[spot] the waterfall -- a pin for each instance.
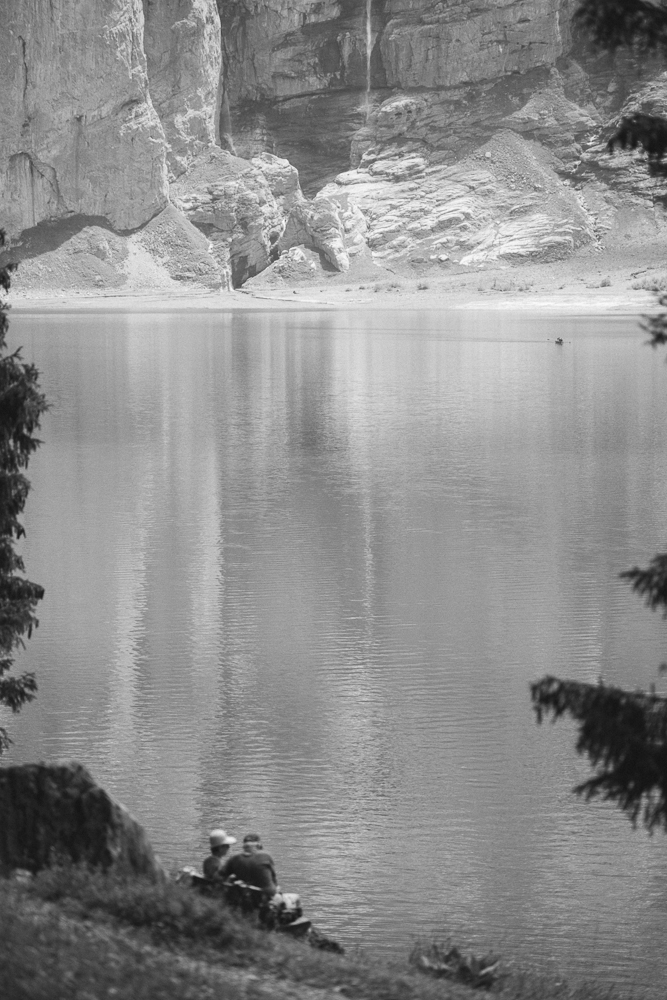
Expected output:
(369, 49)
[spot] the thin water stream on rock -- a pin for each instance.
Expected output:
(369, 51)
(300, 570)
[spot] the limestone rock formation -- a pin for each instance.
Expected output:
(626, 171)
(55, 813)
(78, 130)
(231, 201)
(422, 86)
(419, 129)
(430, 44)
(318, 226)
(183, 49)
(503, 202)
(252, 210)
(306, 46)
(297, 73)
(559, 124)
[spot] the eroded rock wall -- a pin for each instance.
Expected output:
(183, 49)
(375, 102)
(388, 105)
(78, 130)
(430, 43)
(301, 77)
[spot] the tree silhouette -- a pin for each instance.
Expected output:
(624, 734)
(640, 25)
(21, 407)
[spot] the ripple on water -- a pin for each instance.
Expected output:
(300, 572)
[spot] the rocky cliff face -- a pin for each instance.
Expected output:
(473, 130)
(100, 102)
(78, 130)
(430, 130)
(183, 54)
(303, 75)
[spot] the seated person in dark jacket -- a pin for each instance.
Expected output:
(254, 866)
(220, 843)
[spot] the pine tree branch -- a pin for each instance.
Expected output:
(21, 407)
(614, 24)
(623, 734)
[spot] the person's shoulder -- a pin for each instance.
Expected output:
(264, 857)
(211, 866)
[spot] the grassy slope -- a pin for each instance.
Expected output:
(74, 936)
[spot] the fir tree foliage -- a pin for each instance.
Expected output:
(614, 24)
(656, 325)
(21, 407)
(623, 733)
(640, 25)
(646, 131)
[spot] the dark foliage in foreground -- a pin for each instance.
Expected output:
(651, 583)
(21, 406)
(614, 24)
(624, 734)
(647, 131)
(641, 25)
(656, 325)
(625, 737)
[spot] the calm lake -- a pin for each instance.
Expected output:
(300, 570)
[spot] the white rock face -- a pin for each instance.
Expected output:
(504, 202)
(183, 49)
(301, 46)
(318, 225)
(78, 130)
(231, 201)
(253, 210)
(430, 44)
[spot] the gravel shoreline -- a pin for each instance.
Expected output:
(612, 281)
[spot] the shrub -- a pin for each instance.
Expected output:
(446, 961)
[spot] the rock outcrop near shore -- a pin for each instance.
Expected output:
(57, 813)
(418, 132)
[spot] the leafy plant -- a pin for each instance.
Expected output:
(448, 962)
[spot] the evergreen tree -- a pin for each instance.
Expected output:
(624, 734)
(640, 25)
(21, 407)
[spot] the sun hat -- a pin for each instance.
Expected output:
(220, 837)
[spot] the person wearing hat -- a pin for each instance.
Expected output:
(254, 866)
(220, 843)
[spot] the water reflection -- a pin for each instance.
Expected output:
(300, 570)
